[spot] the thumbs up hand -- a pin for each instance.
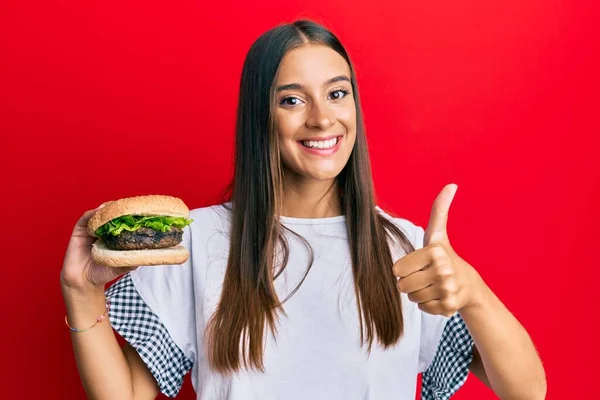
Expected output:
(435, 277)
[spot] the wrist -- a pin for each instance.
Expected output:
(74, 294)
(481, 297)
(83, 305)
(80, 287)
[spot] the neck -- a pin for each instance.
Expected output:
(303, 198)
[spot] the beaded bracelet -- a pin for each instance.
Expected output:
(98, 320)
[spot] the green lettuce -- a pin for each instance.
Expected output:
(134, 222)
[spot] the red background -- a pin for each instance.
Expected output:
(101, 100)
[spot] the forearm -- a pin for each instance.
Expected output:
(510, 360)
(103, 368)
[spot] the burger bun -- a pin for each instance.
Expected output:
(102, 255)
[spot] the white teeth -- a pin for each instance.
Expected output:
(324, 144)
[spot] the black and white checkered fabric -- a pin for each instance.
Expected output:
(449, 369)
(135, 322)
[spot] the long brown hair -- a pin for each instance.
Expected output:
(249, 303)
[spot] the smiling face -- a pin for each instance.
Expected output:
(315, 113)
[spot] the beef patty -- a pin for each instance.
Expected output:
(144, 238)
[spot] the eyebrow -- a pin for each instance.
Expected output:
(297, 86)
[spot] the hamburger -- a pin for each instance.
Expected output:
(142, 230)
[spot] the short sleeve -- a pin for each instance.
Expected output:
(153, 308)
(445, 351)
(450, 367)
(432, 326)
(143, 330)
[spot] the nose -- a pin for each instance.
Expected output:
(320, 116)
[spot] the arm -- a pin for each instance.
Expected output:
(504, 357)
(442, 283)
(476, 367)
(144, 384)
(106, 370)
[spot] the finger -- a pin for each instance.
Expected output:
(411, 263)
(425, 295)
(83, 220)
(437, 228)
(118, 271)
(100, 274)
(415, 281)
(435, 307)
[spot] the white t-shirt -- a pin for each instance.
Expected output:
(317, 354)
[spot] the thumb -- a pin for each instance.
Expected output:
(437, 228)
(83, 221)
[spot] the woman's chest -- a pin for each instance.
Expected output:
(318, 330)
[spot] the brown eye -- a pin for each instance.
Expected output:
(289, 101)
(339, 94)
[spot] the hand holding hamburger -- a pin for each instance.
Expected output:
(121, 235)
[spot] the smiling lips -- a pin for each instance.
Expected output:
(321, 146)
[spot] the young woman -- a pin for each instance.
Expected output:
(298, 287)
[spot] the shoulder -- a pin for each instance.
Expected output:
(215, 213)
(209, 232)
(413, 232)
(210, 218)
